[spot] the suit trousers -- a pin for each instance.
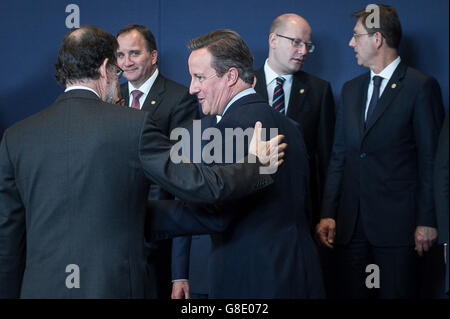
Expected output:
(397, 266)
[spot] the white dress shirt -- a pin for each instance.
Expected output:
(144, 88)
(386, 74)
(271, 82)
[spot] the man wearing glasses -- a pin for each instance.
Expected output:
(301, 96)
(378, 205)
(304, 98)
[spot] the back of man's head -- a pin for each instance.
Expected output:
(228, 50)
(82, 52)
(389, 26)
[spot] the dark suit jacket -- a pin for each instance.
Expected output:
(171, 106)
(73, 190)
(311, 104)
(441, 183)
(385, 171)
(267, 251)
(190, 253)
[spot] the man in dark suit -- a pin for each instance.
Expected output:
(73, 184)
(308, 100)
(378, 201)
(268, 252)
(441, 193)
(170, 105)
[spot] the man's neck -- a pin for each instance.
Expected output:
(383, 60)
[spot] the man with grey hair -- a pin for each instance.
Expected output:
(268, 251)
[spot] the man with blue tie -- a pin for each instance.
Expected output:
(378, 205)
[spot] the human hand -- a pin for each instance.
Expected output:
(180, 290)
(326, 231)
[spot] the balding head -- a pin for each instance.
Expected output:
(284, 56)
(289, 21)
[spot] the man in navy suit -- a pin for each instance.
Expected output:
(308, 101)
(378, 200)
(267, 252)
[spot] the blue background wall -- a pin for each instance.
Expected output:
(31, 32)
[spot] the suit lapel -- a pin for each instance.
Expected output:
(261, 86)
(390, 92)
(297, 98)
(361, 103)
(125, 93)
(154, 97)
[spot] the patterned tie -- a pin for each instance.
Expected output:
(136, 95)
(374, 99)
(278, 95)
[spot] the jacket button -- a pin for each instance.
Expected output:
(363, 155)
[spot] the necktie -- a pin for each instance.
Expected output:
(136, 95)
(374, 99)
(278, 95)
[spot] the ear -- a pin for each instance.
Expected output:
(273, 40)
(379, 40)
(232, 76)
(154, 56)
(102, 70)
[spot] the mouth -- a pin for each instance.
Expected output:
(298, 60)
(200, 100)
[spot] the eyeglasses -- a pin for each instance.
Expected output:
(356, 36)
(119, 71)
(299, 44)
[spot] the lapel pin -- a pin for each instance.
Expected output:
(153, 102)
(393, 85)
(302, 91)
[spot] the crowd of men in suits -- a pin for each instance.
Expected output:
(360, 178)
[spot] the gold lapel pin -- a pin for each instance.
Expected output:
(153, 102)
(393, 85)
(302, 91)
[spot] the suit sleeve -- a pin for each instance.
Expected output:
(12, 228)
(194, 182)
(325, 134)
(181, 247)
(333, 183)
(172, 218)
(441, 188)
(427, 120)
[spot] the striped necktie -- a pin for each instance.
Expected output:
(278, 95)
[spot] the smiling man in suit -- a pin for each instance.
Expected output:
(169, 104)
(378, 200)
(268, 250)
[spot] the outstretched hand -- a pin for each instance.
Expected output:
(270, 153)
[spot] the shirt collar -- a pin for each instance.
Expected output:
(388, 70)
(80, 87)
(234, 99)
(146, 86)
(271, 75)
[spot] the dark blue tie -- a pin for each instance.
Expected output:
(278, 95)
(374, 99)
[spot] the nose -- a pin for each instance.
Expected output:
(127, 61)
(194, 87)
(352, 42)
